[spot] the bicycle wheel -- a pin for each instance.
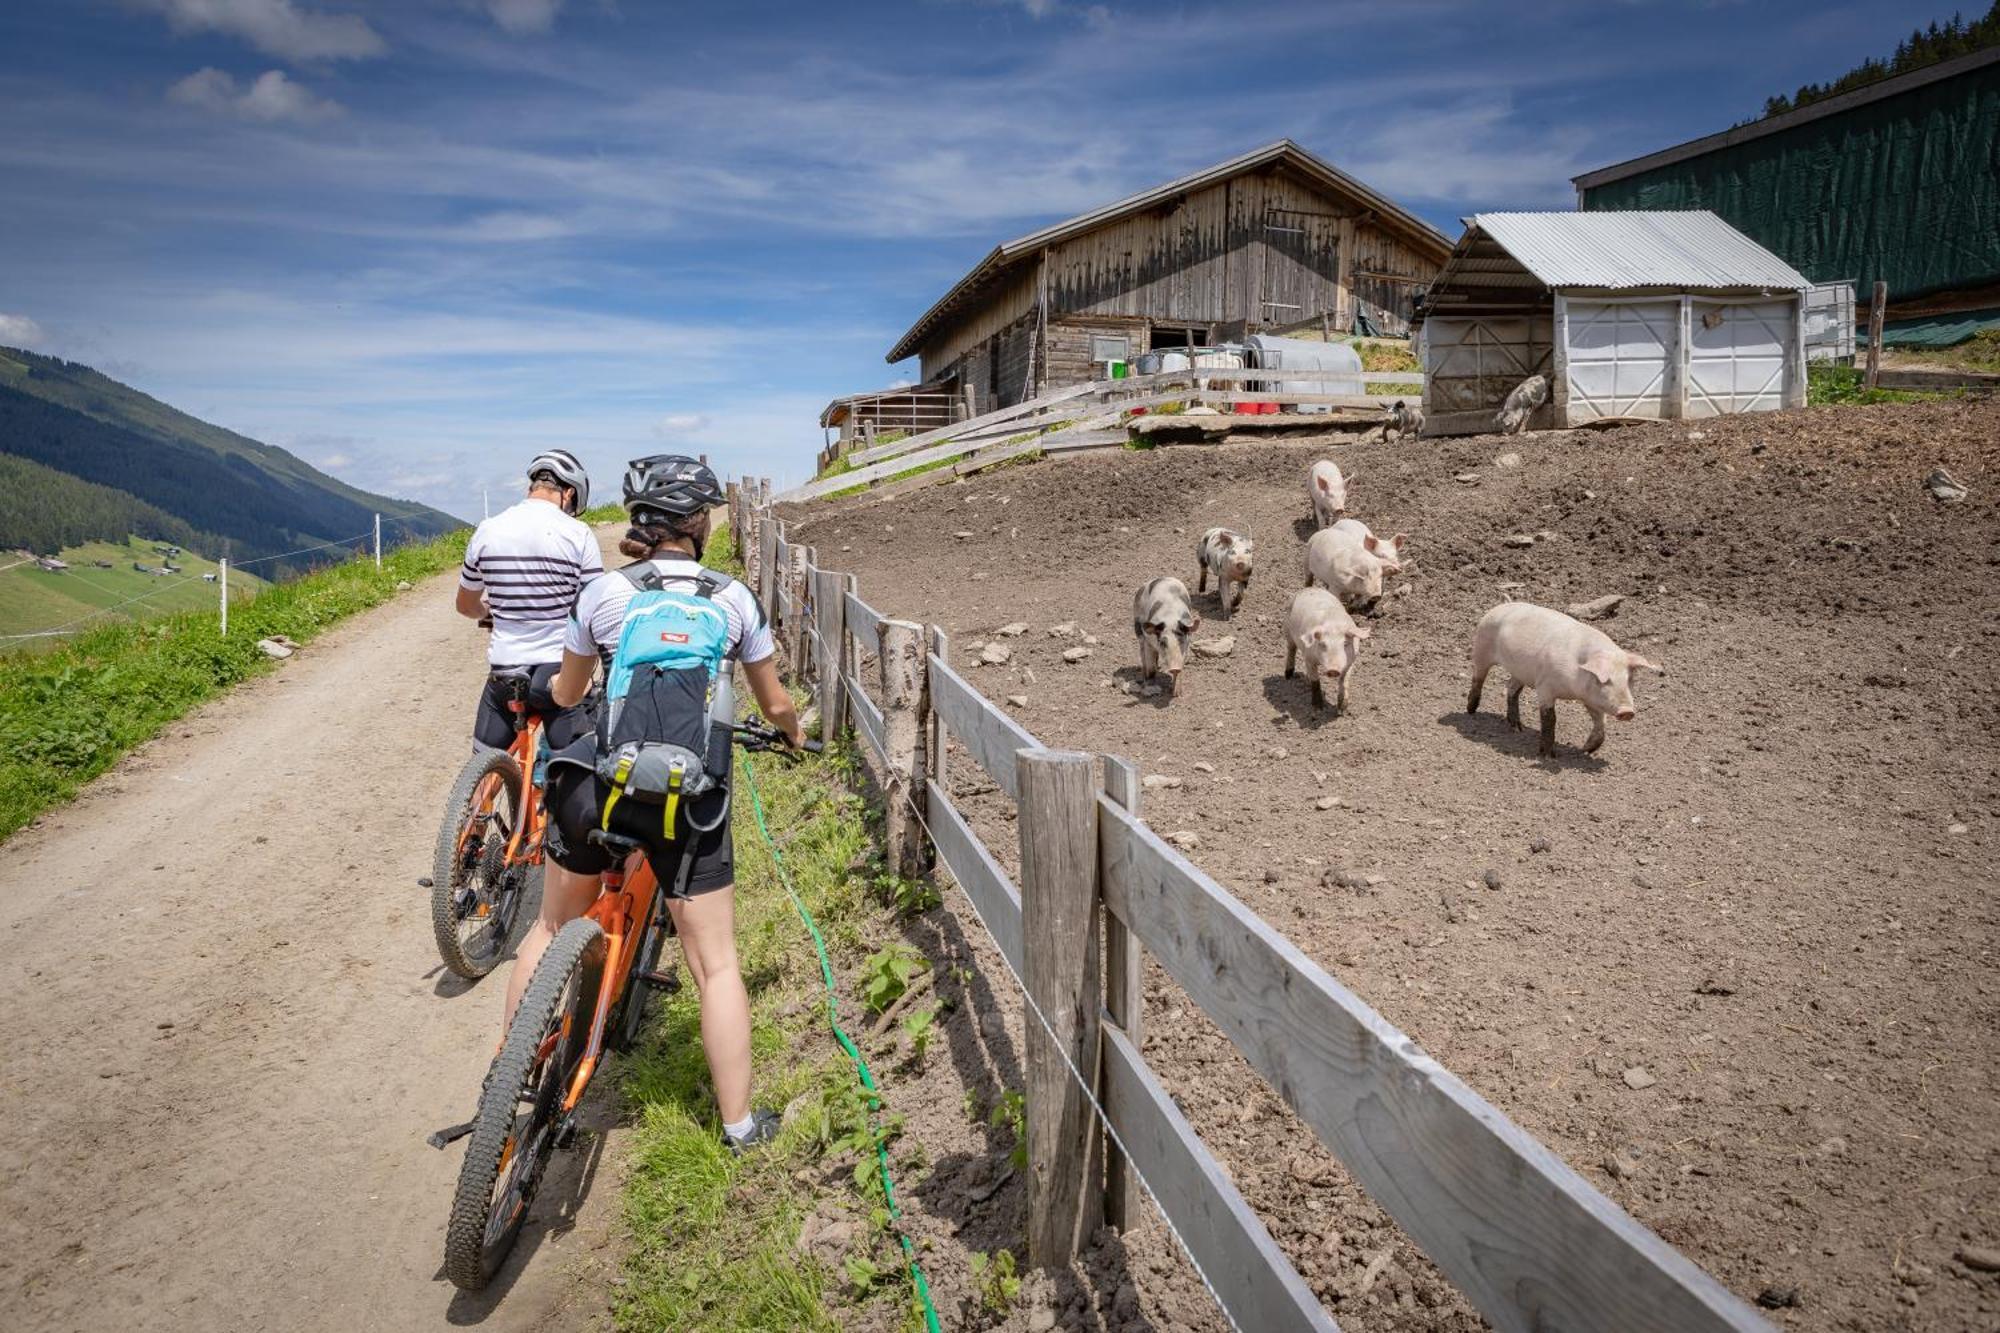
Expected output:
(630, 1015)
(475, 895)
(520, 1106)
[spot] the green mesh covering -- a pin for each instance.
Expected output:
(1935, 330)
(1905, 190)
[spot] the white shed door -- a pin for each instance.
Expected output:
(1740, 357)
(1618, 353)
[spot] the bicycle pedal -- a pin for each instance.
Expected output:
(450, 1134)
(668, 981)
(566, 1132)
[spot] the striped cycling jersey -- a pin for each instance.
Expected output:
(530, 561)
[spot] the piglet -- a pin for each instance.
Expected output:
(1226, 555)
(1528, 395)
(1349, 561)
(1329, 492)
(1404, 419)
(1162, 617)
(1559, 657)
(1319, 629)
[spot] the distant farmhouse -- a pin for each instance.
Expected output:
(1274, 240)
(1898, 181)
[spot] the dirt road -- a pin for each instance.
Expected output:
(228, 1032)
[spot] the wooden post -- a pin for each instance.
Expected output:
(905, 705)
(767, 560)
(1877, 306)
(1058, 827)
(796, 582)
(734, 495)
(222, 579)
(831, 616)
(938, 740)
(1124, 1000)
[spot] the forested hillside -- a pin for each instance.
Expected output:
(43, 510)
(218, 484)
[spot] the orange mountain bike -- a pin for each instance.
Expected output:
(491, 839)
(582, 998)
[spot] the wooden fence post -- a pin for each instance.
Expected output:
(831, 616)
(768, 530)
(1878, 305)
(905, 706)
(1124, 1000)
(939, 739)
(797, 580)
(1059, 893)
(733, 495)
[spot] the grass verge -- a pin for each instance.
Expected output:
(67, 716)
(715, 1241)
(1829, 385)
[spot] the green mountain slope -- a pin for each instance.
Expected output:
(103, 576)
(263, 500)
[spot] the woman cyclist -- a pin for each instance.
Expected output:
(669, 498)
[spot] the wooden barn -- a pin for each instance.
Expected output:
(1274, 240)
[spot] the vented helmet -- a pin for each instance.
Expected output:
(672, 485)
(567, 471)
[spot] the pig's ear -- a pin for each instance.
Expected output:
(1599, 666)
(1635, 662)
(1369, 543)
(1194, 622)
(1398, 540)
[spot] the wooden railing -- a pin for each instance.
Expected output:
(1529, 1241)
(1091, 416)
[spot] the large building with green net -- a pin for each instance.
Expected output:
(1897, 181)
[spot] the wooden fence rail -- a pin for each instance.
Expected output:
(1529, 1241)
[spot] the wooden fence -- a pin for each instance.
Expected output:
(1096, 415)
(1529, 1241)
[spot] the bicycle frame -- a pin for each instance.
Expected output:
(528, 830)
(624, 912)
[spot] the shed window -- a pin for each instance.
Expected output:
(1104, 347)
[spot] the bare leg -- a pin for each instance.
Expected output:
(564, 897)
(1596, 732)
(1514, 705)
(1548, 746)
(707, 926)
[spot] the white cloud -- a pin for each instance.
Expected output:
(511, 225)
(271, 97)
(20, 331)
(523, 15)
(680, 423)
(276, 27)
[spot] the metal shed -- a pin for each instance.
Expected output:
(1628, 314)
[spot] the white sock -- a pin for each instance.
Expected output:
(741, 1127)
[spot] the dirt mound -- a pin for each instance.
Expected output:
(1768, 893)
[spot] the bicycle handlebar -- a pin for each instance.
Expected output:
(755, 735)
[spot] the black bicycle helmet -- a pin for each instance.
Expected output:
(563, 466)
(670, 485)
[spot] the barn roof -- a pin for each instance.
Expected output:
(1007, 255)
(1690, 250)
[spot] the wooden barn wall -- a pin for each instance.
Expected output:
(1066, 360)
(992, 312)
(1388, 274)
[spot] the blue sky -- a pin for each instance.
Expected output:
(415, 241)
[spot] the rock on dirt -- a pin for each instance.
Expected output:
(1778, 1298)
(994, 654)
(1066, 630)
(1944, 487)
(1221, 647)
(1490, 878)
(1075, 654)
(1467, 478)
(1598, 608)
(1159, 782)
(1013, 629)
(1519, 540)
(1185, 839)
(1017, 700)
(1638, 1079)
(277, 647)
(1203, 766)
(402, 585)
(1508, 460)
(1984, 1258)
(1539, 845)
(1326, 803)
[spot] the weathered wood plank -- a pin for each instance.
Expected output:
(1027, 409)
(1525, 1237)
(864, 622)
(867, 717)
(1253, 1279)
(1125, 1001)
(988, 735)
(966, 857)
(1058, 833)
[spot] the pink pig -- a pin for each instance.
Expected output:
(1559, 657)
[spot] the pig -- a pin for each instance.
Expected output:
(1228, 556)
(1329, 492)
(1319, 627)
(1403, 420)
(1349, 561)
(1528, 395)
(1559, 657)
(1162, 617)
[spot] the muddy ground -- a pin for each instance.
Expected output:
(1771, 892)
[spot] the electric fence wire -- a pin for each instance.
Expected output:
(1048, 1028)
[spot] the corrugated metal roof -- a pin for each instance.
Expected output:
(1694, 249)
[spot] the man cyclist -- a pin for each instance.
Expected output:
(524, 568)
(669, 498)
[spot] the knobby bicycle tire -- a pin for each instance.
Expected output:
(448, 873)
(558, 1001)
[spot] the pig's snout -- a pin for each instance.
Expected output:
(1626, 714)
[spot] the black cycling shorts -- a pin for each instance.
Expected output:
(493, 725)
(574, 800)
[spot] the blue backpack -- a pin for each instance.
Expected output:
(657, 742)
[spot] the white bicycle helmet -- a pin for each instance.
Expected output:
(562, 465)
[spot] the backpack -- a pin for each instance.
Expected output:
(656, 741)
